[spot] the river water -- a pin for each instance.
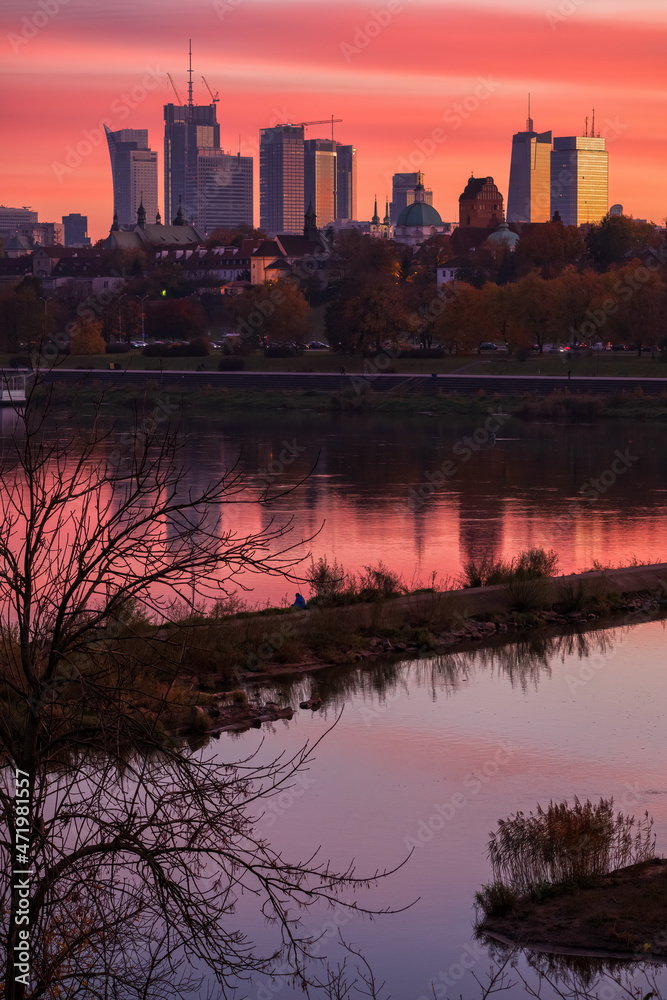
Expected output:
(596, 492)
(427, 756)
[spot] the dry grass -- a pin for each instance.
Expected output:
(567, 843)
(333, 586)
(586, 594)
(528, 565)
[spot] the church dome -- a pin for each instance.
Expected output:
(419, 214)
(504, 234)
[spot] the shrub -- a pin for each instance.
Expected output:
(567, 844)
(529, 565)
(117, 347)
(534, 563)
(198, 347)
(377, 583)
(495, 900)
(483, 572)
(326, 581)
(20, 361)
(231, 364)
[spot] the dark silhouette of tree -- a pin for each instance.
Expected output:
(548, 248)
(610, 241)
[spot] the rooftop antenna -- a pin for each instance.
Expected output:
(529, 120)
(593, 127)
(190, 101)
(586, 120)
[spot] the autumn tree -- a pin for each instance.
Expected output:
(547, 248)
(174, 319)
(139, 847)
(575, 296)
(273, 312)
(365, 321)
(86, 337)
(535, 309)
(638, 314)
(459, 326)
(499, 309)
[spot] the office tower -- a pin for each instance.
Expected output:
(134, 174)
(481, 204)
(528, 197)
(12, 218)
(224, 191)
(579, 179)
(281, 190)
(320, 179)
(346, 182)
(76, 229)
(188, 129)
(403, 193)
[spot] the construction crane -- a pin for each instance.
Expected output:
(321, 121)
(178, 96)
(214, 97)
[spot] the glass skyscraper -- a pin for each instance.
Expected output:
(320, 179)
(281, 179)
(528, 198)
(346, 181)
(224, 190)
(187, 129)
(579, 179)
(134, 174)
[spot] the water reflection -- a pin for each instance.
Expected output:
(572, 977)
(524, 662)
(359, 474)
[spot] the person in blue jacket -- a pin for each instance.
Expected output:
(300, 602)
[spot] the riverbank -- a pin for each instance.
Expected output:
(620, 915)
(563, 404)
(286, 642)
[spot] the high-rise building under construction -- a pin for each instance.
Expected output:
(213, 187)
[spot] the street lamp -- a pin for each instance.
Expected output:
(120, 323)
(45, 301)
(143, 332)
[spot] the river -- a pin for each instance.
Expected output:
(427, 756)
(367, 493)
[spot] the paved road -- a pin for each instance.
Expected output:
(427, 385)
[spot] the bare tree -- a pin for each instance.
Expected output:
(138, 847)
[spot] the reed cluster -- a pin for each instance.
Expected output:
(567, 843)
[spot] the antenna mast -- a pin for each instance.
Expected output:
(593, 128)
(190, 101)
(529, 120)
(586, 130)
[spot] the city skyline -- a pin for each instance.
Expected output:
(384, 78)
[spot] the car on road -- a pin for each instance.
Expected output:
(486, 345)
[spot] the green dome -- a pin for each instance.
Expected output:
(419, 214)
(504, 234)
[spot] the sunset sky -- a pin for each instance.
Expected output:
(394, 72)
